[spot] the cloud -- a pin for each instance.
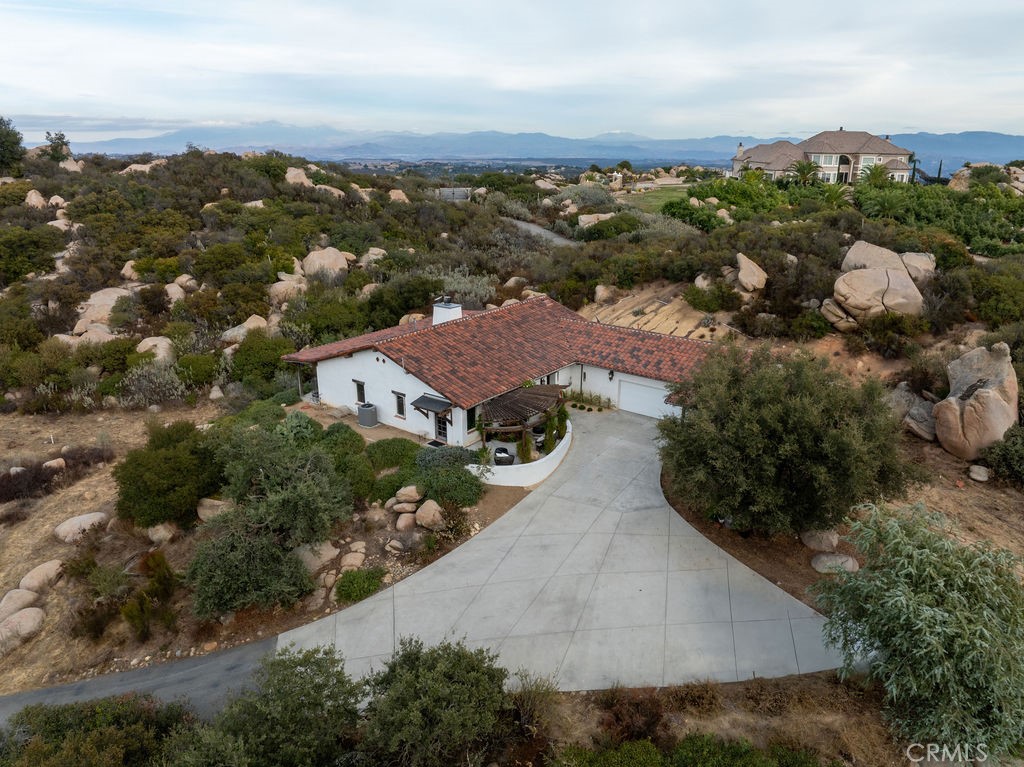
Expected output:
(651, 66)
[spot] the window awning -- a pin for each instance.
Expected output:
(428, 403)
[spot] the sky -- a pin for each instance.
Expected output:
(659, 68)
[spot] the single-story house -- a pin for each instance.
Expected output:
(437, 377)
(841, 155)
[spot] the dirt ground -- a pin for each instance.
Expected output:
(55, 656)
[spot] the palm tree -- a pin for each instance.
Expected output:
(875, 175)
(835, 195)
(805, 171)
(913, 161)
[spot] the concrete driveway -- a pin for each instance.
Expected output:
(593, 579)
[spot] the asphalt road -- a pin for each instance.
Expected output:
(203, 682)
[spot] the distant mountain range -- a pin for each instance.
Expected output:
(326, 143)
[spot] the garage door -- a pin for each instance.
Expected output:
(645, 399)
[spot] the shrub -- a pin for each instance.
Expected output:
(941, 625)
(198, 369)
(386, 486)
(299, 429)
(391, 453)
(164, 481)
(342, 439)
(359, 473)
(719, 297)
(258, 358)
(446, 457)
(357, 585)
(641, 753)
(242, 566)
(435, 707)
(892, 335)
(203, 746)
(301, 711)
(150, 383)
(777, 443)
(711, 751)
(1006, 457)
(632, 715)
(124, 730)
(534, 701)
(452, 488)
(696, 697)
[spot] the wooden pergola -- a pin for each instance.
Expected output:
(511, 412)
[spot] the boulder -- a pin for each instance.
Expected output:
(827, 563)
(515, 283)
(751, 276)
(360, 193)
(72, 530)
(589, 219)
(405, 522)
(405, 319)
(404, 507)
(161, 346)
(723, 214)
(15, 600)
(163, 533)
(174, 293)
(285, 290)
(315, 556)
(390, 503)
(920, 266)
(975, 472)
(211, 508)
(72, 166)
(702, 281)
(429, 516)
(128, 271)
(329, 260)
(820, 540)
(298, 177)
(409, 494)
(254, 204)
(913, 411)
(867, 293)
(510, 302)
(604, 294)
(331, 190)
(864, 255)
(371, 255)
(982, 402)
(187, 283)
(352, 561)
(143, 167)
(97, 307)
(57, 464)
(397, 195)
(367, 290)
(216, 393)
(35, 200)
(41, 577)
(56, 201)
(21, 626)
(96, 335)
(238, 333)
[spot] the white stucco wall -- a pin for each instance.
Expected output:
(527, 474)
(594, 380)
(382, 376)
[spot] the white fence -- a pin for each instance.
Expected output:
(527, 474)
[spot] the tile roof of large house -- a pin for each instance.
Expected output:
(778, 155)
(849, 142)
(480, 356)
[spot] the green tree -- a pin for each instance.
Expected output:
(301, 711)
(942, 626)
(57, 147)
(777, 443)
(875, 176)
(434, 707)
(805, 172)
(11, 150)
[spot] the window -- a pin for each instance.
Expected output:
(867, 162)
(399, 404)
(471, 418)
(816, 159)
(360, 391)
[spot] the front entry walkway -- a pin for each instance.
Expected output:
(594, 580)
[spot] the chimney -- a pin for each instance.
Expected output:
(739, 150)
(446, 311)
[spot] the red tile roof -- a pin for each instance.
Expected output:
(489, 353)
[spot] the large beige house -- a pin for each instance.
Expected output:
(842, 156)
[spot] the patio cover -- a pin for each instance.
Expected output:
(522, 404)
